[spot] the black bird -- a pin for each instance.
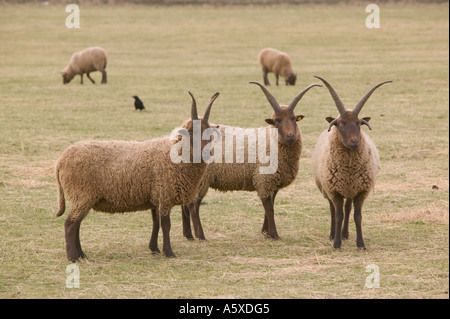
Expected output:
(138, 103)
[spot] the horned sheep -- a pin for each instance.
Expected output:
(248, 176)
(345, 165)
(125, 176)
(86, 61)
(272, 60)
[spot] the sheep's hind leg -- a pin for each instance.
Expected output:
(72, 234)
(186, 220)
(269, 227)
(357, 215)
(104, 77)
(348, 209)
(89, 77)
(195, 215)
(153, 245)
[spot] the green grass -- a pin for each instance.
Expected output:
(159, 53)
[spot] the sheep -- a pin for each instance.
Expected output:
(126, 176)
(86, 61)
(272, 60)
(345, 164)
(248, 176)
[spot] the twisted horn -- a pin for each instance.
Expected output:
(361, 103)
(294, 102)
(276, 107)
(340, 106)
(194, 115)
(208, 109)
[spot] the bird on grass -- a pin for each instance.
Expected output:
(138, 103)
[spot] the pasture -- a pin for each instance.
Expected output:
(159, 53)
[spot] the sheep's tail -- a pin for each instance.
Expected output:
(61, 199)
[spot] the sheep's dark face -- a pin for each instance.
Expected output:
(66, 78)
(286, 123)
(349, 128)
(291, 79)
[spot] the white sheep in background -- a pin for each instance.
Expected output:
(345, 164)
(86, 61)
(124, 176)
(272, 60)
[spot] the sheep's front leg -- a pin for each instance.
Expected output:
(266, 80)
(269, 227)
(165, 225)
(276, 76)
(89, 77)
(333, 222)
(154, 237)
(339, 217)
(81, 75)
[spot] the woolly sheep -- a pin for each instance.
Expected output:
(272, 60)
(86, 61)
(345, 165)
(124, 176)
(248, 176)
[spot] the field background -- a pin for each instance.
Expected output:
(161, 52)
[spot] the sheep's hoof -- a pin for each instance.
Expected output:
(273, 236)
(170, 254)
(191, 238)
(155, 251)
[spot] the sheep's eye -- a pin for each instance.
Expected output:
(294, 119)
(341, 125)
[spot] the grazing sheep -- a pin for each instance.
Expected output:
(86, 61)
(249, 176)
(272, 60)
(345, 164)
(122, 176)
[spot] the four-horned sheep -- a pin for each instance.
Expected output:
(125, 176)
(86, 61)
(345, 165)
(272, 60)
(254, 175)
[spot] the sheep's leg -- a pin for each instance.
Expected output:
(104, 77)
(333, 227)
(154, 237)
(72, 234)
(89, 77)
(348, 209)
(269, 229)
(358, 218)
(265, 228)
(266, 80)
(194, 209)
(81, 78)
(276, 76)
(339, 217)
(165, 225)
(186, 219)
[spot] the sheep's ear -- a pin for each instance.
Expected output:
(270, 121)
(300, 117)
(329, 119)
(365, 121)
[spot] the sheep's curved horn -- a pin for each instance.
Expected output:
(361, 103)
(194, 115)
(366, 123)
(208, 109)
(276, 107)
(294, 102)
(340, 106)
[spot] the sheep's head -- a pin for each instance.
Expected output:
(66, 77)
(189, 125)
(291, 79)
(284, 118)
(348, 123)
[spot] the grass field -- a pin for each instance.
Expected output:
(159, 53)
